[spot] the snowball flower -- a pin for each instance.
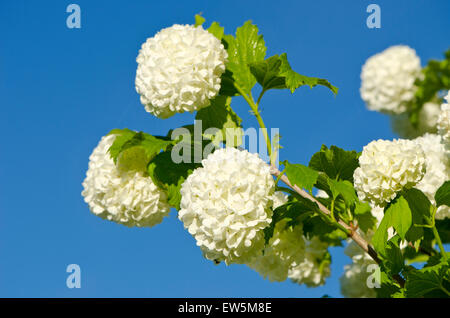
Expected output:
(386, 167)
(378, 213)
(286, 246)
(444, 123)
(437, 170)
(128, 198)
(313, 267)
(279, 198)
(355, 277)
(387, 79)
(354, 280)
(428, 117)
(321, 194)
(227, 203)
(179, 69)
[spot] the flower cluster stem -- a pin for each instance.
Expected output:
(255, 110)
(439, 242)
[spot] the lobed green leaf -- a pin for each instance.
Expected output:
(294, 80)
(431, 281)
(170, 175)
(300, 175)
(335, 162)
(245, 48)
(442, 195)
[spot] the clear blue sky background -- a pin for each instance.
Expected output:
(62, 89)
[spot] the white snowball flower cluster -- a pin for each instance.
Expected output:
(444, 123)
(179, 69)
(227, 203)
(386, 167)
(311, 270)
(289, 254)
(354, 280)
(286, 247)
(437, 169)
(428, 117)
(283, 248)
(127, 198)
(387, 79)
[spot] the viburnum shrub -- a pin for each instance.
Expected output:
(390, 204)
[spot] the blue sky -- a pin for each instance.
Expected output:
(62, 89)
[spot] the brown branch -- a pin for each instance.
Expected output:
(351, 232)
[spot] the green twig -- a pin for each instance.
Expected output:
(255, 111)
(439, 242)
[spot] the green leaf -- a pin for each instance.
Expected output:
(401, 216)
(388, 287)
(295, 211)
(133, 150)
(414, 234)
(199, 20)
(216, 30)
(429, 281)
(151, 144)
(267, 73)
(363, 215)
(122, 136)
(326, 232)
(276, 73)
(436, 259)
(345, 189)
(301, 175)
(133, 159)
(419, 258)
(173, 193)
(394, 257)
(442, 195)
(136, 152)
(227, 87)
(295, 80)
(421, 212)
(379, 239)
(170, 175)
(335, 162)
(322, 183)
(247, 47)
(443, 227)
(421, 207)
(362, 208)
(397, 215)
(220, 115)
